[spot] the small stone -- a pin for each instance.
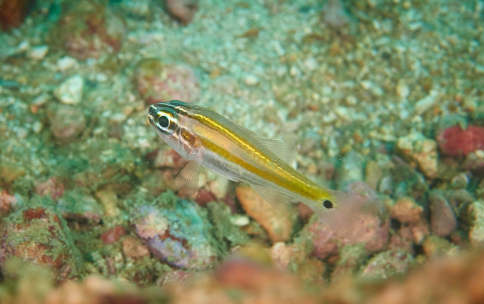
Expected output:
(402, 89)
(280, 254)
(277, 224)
(442, 218)
(460, 181)
(455, 141)
(38, 52)
(406, 210)
(182, 10)
(251, 80)
(476, 232)
(425, 103)
(112, 235)
(52, 187)
(70, 91)
(159, 82)
(387, 264)
(435, 246)
(67, 122)
(65, 63)
(134, 249)
(311, 63)
(415, 147)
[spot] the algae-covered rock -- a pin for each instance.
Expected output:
(476, 233)
(177, 231)
(224, 228)
(387, 264)
(39, 235)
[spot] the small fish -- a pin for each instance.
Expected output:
(208, 139)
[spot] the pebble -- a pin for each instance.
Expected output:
(476, 232)
(387, 264)
(425, 103)
(402, 89)
(67, 123)
(65, 63)
(278, 224)
(311, 63)
(442, 218)
(416, 148)
(38, 52)
(406, 210)
(70, 91)
(182, 10)
(251, 80)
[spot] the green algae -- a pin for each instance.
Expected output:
(223, 229)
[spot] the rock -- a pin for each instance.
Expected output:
(351, 169)
(460, 181)
(455, 141)
(88, 29)
(373, 174)
(52, 187)
(387, 264)
(175, 232)
(6, 203)
(324, 240)
(13, 13)
(224, 227)
(80, 206)
(442, 218)
(280, 254)
(416, 148)
(66, 123)
(65, 63)
(182, 10)
(40, 236)
(434, 246)
(112, 235)
(251, 80)
(134, 249)
(474, 162)
(38, 52)
(278, 224)
(406, 210)
(158, 82)
(334, 14)
(476, 232)
(70, 91)
(166, 157)
(351, 257)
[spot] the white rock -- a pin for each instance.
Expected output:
(65, 63)
(37, 127)
(70, 91)
(311, 63)
(22, 47)
(294, 71)
(38, 52)
(424, 104)
(251, 80)
(402, 89)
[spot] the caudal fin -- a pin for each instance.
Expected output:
(345, 213)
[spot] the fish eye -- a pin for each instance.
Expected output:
(163, 121)
(166, 122)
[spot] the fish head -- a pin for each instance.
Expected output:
(169, 121)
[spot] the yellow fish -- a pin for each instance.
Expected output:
(208, 139)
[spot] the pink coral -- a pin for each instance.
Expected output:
(455, 141)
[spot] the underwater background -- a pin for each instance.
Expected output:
(385, 98)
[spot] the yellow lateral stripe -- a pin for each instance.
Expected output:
(267, 175)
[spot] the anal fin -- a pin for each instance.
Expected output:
(187, 180)
(275, 198)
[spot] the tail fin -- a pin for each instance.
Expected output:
(346, 213)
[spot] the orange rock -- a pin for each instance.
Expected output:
(134, 249)
(278, 224)
(406, 210)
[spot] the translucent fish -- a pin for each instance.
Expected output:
(208, 139)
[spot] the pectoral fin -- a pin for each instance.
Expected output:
(187, 180)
